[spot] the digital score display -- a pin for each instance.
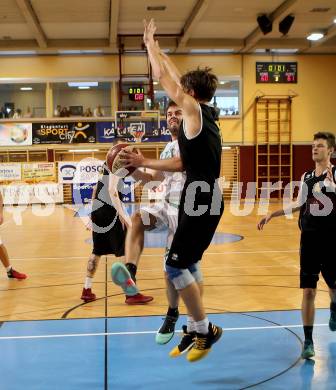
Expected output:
(276, 72)
(136, 94)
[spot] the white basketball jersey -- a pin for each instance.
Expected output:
(171, 187)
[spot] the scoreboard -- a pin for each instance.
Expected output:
(136, 93)
(276, 72)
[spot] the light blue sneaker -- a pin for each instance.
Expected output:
(166, 332)
(122, 278)
(308, 350)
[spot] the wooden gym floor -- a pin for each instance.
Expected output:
(257, 273)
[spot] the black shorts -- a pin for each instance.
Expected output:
(107, 241)
(194, 233)
(317, 256)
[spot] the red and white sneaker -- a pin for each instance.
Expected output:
(88, 295)
(12, 274)
(138, 299)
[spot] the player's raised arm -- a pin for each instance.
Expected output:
(160, 66)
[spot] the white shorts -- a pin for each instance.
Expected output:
(166, 216)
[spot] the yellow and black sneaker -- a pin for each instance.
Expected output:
(204, 342)
(186, 343)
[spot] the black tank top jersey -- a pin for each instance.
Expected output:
(315, 198)
(201, 156)
(102, 192)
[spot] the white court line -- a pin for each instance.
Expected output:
(54, 336)
(156, 255)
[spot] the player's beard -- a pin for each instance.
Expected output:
(174, 130)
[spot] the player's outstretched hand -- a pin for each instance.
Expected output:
(149, 32)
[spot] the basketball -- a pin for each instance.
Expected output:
(114, 162)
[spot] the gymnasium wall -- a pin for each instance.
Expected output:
(313, 108)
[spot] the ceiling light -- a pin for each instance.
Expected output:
(82, 150)
(155, 82)
(74, 51)
(315, 36)
(93, 51)
(222, 50)
(17, 52)
(83, 83)
(209, 51)
(26, 88)
(284, 51)
(156, 8)
(83, 87)
(335, 20)
(223, 82)
(320, 9)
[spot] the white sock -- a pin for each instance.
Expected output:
(88, 282)
(191, 326)
(202, 326)
(8, 268)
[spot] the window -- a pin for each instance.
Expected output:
(227, 97)
(22, 100)
(82, 99)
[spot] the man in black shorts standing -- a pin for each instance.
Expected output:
(201, 203)
(317, 221)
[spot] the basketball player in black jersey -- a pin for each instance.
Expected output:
(317, 221)
(108, 234)
(201, 204)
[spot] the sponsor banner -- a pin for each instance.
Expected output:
(164, 135)
(15, 134)
(32, 193)
(87, 170)
(10, 171)
(82, 192)
(105, 131)
(64, 133)
(38, 171)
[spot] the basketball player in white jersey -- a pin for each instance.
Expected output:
(162, 214)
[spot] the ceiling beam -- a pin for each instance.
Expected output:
(33, 22)
(114, 19)
(279, 43)
(191, 22)
(55, 44)
(214, 43)
(330, 33)
(276, 16)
